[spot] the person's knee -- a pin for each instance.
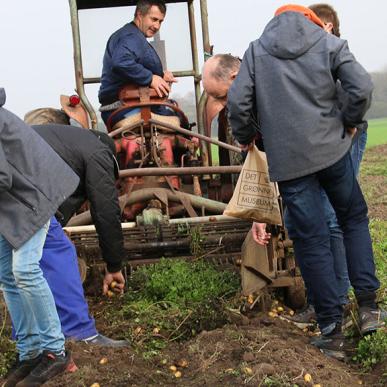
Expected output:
(26, 274)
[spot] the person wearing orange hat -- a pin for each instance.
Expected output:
(288, 79)
(307, 315)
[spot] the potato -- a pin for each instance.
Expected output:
(95, 385)
(308, 378)
(182, 363)
(177, 374)
(113, 284)
(110, 293)
(103, 361)
(173, 368)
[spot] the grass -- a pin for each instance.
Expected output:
(372, 349)
(377, 132)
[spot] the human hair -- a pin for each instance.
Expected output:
(143, 6)
(44, 116)
(328, 15)
(225, 64)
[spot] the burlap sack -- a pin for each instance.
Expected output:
(255, 197)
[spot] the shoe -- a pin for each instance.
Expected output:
(335, 345)
(49, 366)
(19, 371)
(304, 318)
(370, 320)
(104, 341)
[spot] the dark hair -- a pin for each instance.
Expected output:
(225, 64)
(328, 15)
(143, 6)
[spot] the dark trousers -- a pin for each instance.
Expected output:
(311, 239)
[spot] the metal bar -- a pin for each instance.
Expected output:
(205, 30)
(78, 63)
(177, 74)
(197, 77)
(124, 128)
(185, 73)
(179, 171)
(197, 135)
(92, 80)
(129, 225)
(149, 193)
(194, 49)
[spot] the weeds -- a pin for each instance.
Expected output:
(174, 300)
(372, 350)
(7, 346)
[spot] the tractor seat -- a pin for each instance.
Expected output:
(145, 102)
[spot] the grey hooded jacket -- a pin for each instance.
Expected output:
(34, 180)
(288, 76)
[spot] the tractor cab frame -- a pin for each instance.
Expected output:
(151, 179)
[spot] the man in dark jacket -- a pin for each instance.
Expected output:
(288, 77)
(130, 59)
(34, 181)
(91, 155)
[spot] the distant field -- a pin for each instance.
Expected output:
(377, 132)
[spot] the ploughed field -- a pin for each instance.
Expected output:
(189, 331)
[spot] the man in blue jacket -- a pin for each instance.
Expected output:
(288, 77)
(34, 181)
(130, 59)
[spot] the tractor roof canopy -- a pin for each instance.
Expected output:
(87, 4)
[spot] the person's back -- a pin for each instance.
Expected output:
(301, 64)
(34, 181)
(91, 155)
(41, 181)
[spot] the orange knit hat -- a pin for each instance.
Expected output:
(308, 13)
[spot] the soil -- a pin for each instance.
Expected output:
(248, 351)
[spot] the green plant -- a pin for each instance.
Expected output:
(7, 354)
(372, 350)
(173, 300)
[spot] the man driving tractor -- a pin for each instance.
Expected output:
(130, 59)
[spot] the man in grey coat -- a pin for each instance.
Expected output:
(34, 181)
(288, 78)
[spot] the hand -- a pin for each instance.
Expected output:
(168, 77)
(247, 147)
(351, 131)
(109, 278)
(259, 233)
(162, 88)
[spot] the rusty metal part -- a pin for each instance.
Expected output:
(171, 240)
(78, 63)
(125, 128)
(149, 193)
(179, 171)
(197, 135)
(200, 219)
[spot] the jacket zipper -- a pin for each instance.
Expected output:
(25, 202)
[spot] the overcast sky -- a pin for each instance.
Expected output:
(36, 63)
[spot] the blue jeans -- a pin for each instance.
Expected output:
(311, 238)
(358, 149)
(336, 235)
(29, 299)
(60, 268)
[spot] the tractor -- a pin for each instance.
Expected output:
(176, 176)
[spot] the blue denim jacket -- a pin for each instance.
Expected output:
(129, 58)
